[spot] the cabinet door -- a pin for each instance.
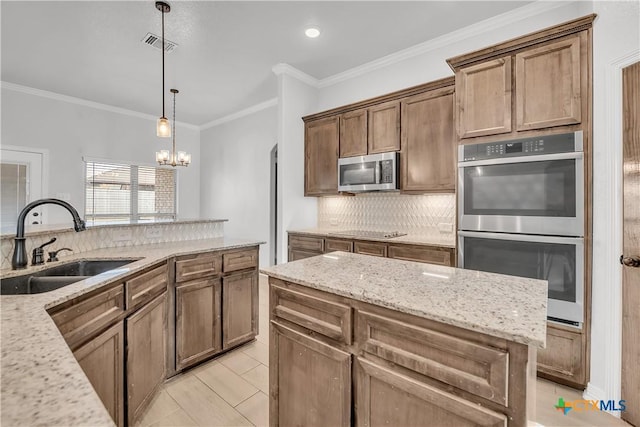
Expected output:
(198, 322)
(321, 156)
(239, 308)
(102, 360)
(370, 248)
(386, 397)
(562, 359)
(146, 354)
(353, 133)
(296, 254)
(311, 379)
(428, 144)
(548, 85)
(483, 99)
(384, 127)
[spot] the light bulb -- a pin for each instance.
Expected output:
(163, 128)
(312, 32)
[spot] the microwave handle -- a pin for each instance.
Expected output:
(378, 172)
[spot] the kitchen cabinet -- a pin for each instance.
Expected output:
(563, 359)
(529, 84)
(146, 354)
(305, 246)
(239, 308)
(353, 133)
(403, 369)
(102, 360)
(428, 156)
(384, 127)
(198, 321)
(321, 144)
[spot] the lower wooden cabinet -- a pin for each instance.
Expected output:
(562, 360)
(370, 248)
(102, 360)
(239, 308)
(428, 254)
(296, 254)
(146, 354)
(198, 321)
(386, 397)
(302, 366)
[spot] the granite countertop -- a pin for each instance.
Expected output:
(34, 230)
(41, 382)
(446, 240)
(509, 307)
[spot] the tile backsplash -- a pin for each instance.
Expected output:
(429, 215)
(114, 236)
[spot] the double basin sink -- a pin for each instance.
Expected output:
(59, 276)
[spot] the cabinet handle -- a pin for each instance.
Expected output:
(631, 261)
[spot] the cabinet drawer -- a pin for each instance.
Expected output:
(327, 318)
(295, 254)
(370, 248)
(306, 243)
(83, 319)
(331, 245)
(199, 266)
(432, 255)
(143, 288)
(463, 364)
(234, 261)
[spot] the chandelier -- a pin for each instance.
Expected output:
(173, 158)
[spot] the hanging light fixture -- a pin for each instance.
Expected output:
(163, 128)
(180, 158)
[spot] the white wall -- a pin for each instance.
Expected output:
(235, 176)
(295, 100)
(616, 42)
(71, 131)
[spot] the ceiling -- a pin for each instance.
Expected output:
(226, 49)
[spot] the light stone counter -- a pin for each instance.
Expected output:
(503, 306)
(41, 382)
(444, 240)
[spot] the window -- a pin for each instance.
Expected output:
(128, 193)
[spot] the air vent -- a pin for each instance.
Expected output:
(156, 41)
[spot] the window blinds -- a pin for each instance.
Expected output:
(129, 193)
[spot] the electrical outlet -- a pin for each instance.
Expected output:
(333, 221)
(152, 232)
(122, 235)
(445, 227)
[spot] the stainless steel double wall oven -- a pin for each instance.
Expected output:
(521, 212)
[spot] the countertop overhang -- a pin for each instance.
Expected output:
(509, 307)
(41, 382)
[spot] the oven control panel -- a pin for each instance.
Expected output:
(534, 146)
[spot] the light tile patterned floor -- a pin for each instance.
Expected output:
(232, 390)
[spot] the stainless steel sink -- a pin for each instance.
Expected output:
(58, 276)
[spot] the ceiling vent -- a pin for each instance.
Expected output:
(156, 42)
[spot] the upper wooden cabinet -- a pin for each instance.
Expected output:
(483, 104)
(428, 143)
(353, 133)
(525, 85)
(384, 127)
(321, 156)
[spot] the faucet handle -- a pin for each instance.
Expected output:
(53, 255)
(37, 256)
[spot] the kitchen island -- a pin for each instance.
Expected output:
(53, 341)
(382, 341)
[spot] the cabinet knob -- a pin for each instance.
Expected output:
(630, 261)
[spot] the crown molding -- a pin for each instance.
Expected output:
(472, 30)
(85, 103)
(242, 113)
(287, 69)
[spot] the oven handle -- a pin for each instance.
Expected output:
(507, 160)
(523, 237)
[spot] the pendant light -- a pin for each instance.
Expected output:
(163, 128)
(180, 158)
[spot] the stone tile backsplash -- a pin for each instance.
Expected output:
(113, 237)
(429, 215)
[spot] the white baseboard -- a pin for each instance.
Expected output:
(593, 392)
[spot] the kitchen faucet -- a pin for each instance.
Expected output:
(19, 259)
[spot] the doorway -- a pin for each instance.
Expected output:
(631, 243)
(21, 171)
(273, 223)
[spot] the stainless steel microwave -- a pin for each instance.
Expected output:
(376, 172)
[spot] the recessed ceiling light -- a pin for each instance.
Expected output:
(312, 32)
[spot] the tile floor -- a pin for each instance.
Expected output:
(232, 390)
